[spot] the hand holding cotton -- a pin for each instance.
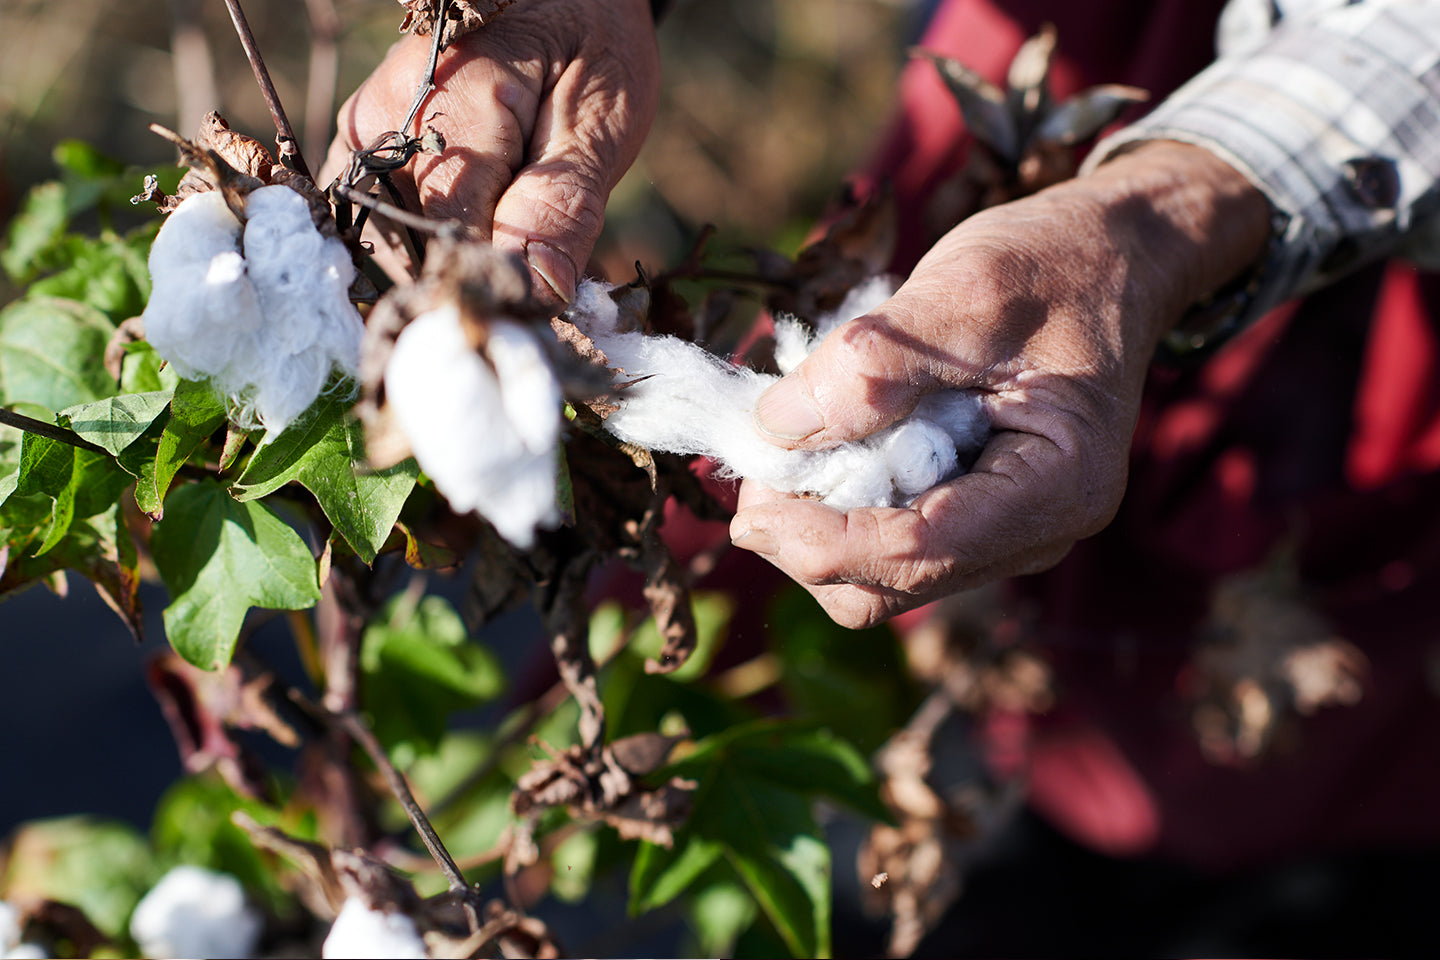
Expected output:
(689, 401)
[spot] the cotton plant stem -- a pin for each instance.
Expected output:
(427, 85)
(412, 221)
(284, 133)
(351, 723)
(48, 430)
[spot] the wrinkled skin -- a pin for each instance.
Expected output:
(1052, 307)
(542, 112)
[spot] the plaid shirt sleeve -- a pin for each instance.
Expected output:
(1335, 117)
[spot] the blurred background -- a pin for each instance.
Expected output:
(766, 105)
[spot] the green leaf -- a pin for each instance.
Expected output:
(417, 667)
(325, 453)
(103, 867)
(660, 875)
(52, 352)
(109, 273)
(195, 413)
(574, 865)
(143, 371)
(218, 558)
(74, 482)
(191, 824)
(34, 231)
(85, 160)
(854, 683)
(116, 422)
(756, 783)
(99, 549)
(713, 610)
(718, 914)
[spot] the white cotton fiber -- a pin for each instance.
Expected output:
(361, 932)
(194, 912)
(262, 311)
(487, 437)
(692, 402)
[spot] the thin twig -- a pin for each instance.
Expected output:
(48, 430)
(362, 734)
(427, 85)
(441, 228)
(284, 134)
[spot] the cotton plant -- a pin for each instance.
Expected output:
(195, 912)
(677, 397)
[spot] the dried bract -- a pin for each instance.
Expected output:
(461, 16)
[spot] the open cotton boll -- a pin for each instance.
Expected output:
(194, 912)
(262, 309)
(487, 437)
(692, 402)
(362, 932)
(9, 926)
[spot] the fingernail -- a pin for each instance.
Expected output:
(553, 267)
(786, 411)
(757, 541)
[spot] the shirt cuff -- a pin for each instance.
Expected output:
(1336, 119)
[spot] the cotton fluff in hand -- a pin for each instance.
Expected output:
(194, 912)
(262, 309)
(361, 932)
(487, 437)
(692, 402)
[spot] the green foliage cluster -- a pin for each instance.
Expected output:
(235, 521)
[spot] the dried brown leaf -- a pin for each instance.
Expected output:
(463, 16)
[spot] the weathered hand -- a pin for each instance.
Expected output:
(1051, 307)
(542, 112)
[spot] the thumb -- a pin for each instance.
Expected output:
(864, 376)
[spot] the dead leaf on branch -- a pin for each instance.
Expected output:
(1024, 140)
(1267, 657)
(607, 789)
(203, 708)
(236, 164)
(461, 16)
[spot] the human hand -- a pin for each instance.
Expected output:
(1051, 307)
(542, 111)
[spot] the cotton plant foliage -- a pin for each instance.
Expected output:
(486, 429)
(261, 309)
(680, 398)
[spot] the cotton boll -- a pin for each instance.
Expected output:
(262, 311)
(194, 912)
(688, 401)
(918, 455)
(487, 437)
(362, 932)
(792, 343)
(10, 931)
